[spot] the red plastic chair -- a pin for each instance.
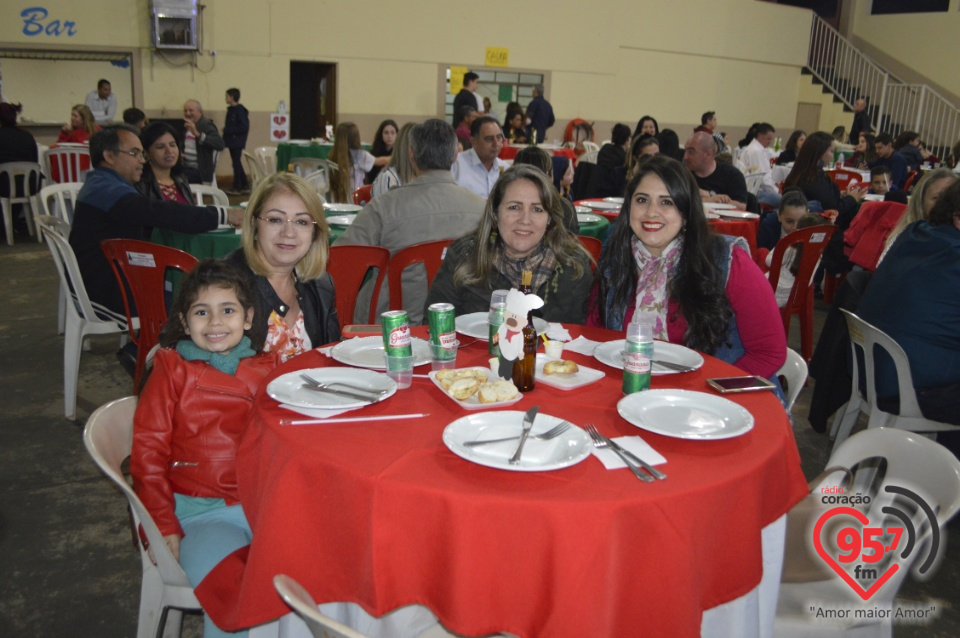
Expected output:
(842, 178)
(363, 195)
(912, 178)
(141, 269)
(594, 246)
(814, 240)
(430, 254)
(348, 265)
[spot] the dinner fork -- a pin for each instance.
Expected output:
(552, 433)
(600, 443)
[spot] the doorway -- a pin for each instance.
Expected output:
(313, 99)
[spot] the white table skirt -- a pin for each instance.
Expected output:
(749, 616)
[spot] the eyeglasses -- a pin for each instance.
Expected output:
(299, 223)
(135, 153)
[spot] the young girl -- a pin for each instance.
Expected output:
(793, 206)
(191, 416)
(791, 260)
(354, 163)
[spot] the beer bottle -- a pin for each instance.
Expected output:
(524, 366)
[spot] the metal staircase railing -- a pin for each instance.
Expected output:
(894, 105)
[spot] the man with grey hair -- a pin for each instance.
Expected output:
(539, 115)
(429, 208)
(719, 183)
(201, 140)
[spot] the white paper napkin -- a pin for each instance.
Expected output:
(556, 332)
(326, 350)
(581, 345)
(317, 413)
(634, 444)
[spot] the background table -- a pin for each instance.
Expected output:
(509, 151)
(597, 229)
(287, 151)
(384, 515)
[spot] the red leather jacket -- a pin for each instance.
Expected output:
(187, 427)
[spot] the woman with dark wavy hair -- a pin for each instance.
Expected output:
(661, 262)
(163, 177)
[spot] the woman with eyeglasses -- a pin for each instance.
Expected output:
(163, 176)
(285, 247)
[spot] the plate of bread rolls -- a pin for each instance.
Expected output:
(473, 388)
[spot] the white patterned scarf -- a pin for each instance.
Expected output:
(654, 275)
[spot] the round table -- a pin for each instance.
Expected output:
(597, 228)
(287, 151)
(509, 151)
(384, 515)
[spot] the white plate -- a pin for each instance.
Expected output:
(476, 325)
(609, 353)
(584, 376)
(685, 414)
(367, 352)
(738, 214)
(718, 206)
(342, 208)
(341, 220)
(568, 449)
(614, 200)
(582, 209)
(711, 215)
(473, 403)
(588, 218)
(288, 388)
(599, 205)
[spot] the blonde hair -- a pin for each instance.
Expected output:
(346, 139)
(89, 123)
(914, 211)
(314, 263)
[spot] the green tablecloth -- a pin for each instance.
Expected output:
(215, 243)
(287, 152)
(597, 229)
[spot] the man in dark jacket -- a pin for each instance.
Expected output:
(466, 97)
(861, 121)
(202, 139)
(235, 130)
(539, 115)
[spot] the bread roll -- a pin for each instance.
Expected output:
(446, 378)
(560, 367)
(463, 389)
(505, 390)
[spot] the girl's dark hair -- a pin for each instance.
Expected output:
(751, 133)
(793, 197)
(643, 120)
(378, 148)
(153, 132)
(905, 138)
(807, 166)
(670, 144)
(697, 285)
(620, 134)
(793, 139)
(220, 274)
(8, 114)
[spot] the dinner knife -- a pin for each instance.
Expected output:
(636, 459)
(527, 424)
(342, 393)
(673, 366)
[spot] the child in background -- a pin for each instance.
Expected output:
(793, 206)
(191, 415)
(791, 261)
(880, 180)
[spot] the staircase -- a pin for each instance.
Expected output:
(894, 106)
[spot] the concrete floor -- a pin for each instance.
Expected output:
(67, 566)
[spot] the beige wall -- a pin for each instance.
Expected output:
(917, 46)
(670, 59)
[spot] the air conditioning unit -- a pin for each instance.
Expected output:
(173, 24)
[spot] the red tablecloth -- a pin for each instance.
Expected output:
(384, 515)
(508, 152)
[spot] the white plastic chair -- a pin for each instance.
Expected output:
(59, 200)
(267, 156)
(69, 161)
(912, 462)
(591, 147)
(165, 590)
(590, 157)
(27, 173)
(304, 166)
(794, 369)
(754, 182)
(253, 167)
(83, 317)
(305, 606)
(864, 338)
(216, 196)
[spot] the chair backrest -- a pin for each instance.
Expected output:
(29, 172)
(202, 192)
(320, 183)
(910, 181)
(267, 156)
(66, 163)
(590, 147)
(304, 166)
(913, 462)
(213, 177)
(108, 437)
(253, 167)
(305, 606)
(594, 246)
(590, 157)
(794, 369)
(842, 178)
(430, 254)
(348, 265)
(867, 338)
(59, 200)
(363, 195)
(814, 240)
(141, 269)
(754, 182)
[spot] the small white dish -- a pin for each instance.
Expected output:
(289, 388)
(602, 205)
(718, 206)
(570, 448)
(476, 325)
(342, 208)
(610, 354)
(614, 200)
(738, 214)
(873, 198)
(685, 414)
(473, 403)
(588, 218)
(340, 220)
(584, 376)
(582, 209)
(367, 352)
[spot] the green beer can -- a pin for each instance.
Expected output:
(396, 333)
(443, 329)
